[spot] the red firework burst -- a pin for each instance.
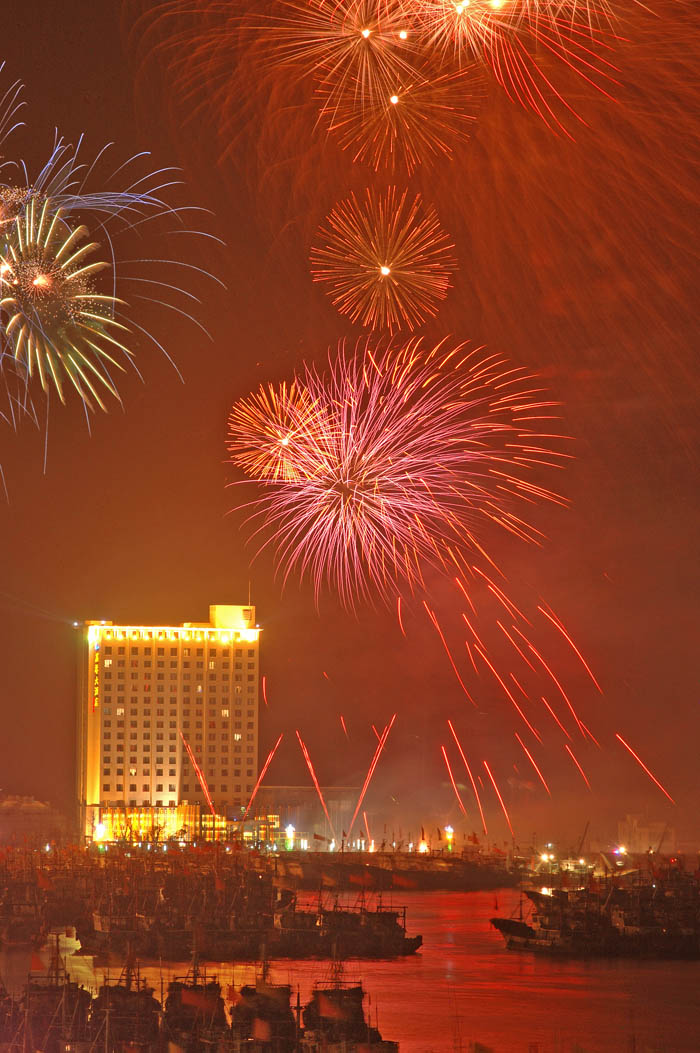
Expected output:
(384, 260)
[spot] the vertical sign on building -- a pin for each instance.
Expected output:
(96, 678)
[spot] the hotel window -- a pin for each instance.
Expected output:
(224, 713)
(225, 652)
(200, 652)
(105, 787)
(161, 650)
(108, 663)
(132, 787)
(108, 650)
(120, 650)
(173, 651)
(159, 787)
(224, 788)
(224, 771)
(147, 650)
(251, 653)
(171, 787)
(145, 787)
(185, 651)
(119, 788)
(185, 787)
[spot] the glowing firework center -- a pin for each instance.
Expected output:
(167, 726)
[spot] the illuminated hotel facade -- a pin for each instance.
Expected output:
(145, 692)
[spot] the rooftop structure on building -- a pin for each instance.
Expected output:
(167, 719)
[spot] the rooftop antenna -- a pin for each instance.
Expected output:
(249, 592)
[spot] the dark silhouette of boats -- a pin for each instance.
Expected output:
(654, 916)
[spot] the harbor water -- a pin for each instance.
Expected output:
(463, 987)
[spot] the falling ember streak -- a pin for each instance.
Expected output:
(525, 659)
(264, 690)
(261, 776)
(471, 777)
(452, 780)
(590, 735)
(641, 763)
(326, 675)
(431, 615)
(558, 625)
(310, 766)
(342, 721)
(370, 773)
(510, 696)
(398, 612)
(556, 718)
(199, 773)
(532, 762)
(498, 794)
(583, 774)
(379, 737)
(553, 678)
(364, 816)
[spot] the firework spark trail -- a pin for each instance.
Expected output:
(198, 772)
(433, 618)
(398, 614)
(342, 723)
(552, 677)
(264, 690)
(508, 693)
(452, 780)
(310, 766)
(370, 773)
(532, 762)
(583, 774)
(364, 816)
(471, 777)
(498, 794)
(590, 735)
(558, 625)
(407, 449)
(384, 261)
(518, 649)
(261, 776)
(377, 735)
(642, 765)
(556, 718)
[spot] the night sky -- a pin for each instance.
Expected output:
(576, 257)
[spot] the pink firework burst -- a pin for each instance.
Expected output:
(409, 455)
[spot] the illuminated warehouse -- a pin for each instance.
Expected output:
(167, 724)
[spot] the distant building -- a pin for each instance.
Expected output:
(638, 834)
(26, 821)
(145, 692)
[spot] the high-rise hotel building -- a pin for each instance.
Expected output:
(148, 691)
